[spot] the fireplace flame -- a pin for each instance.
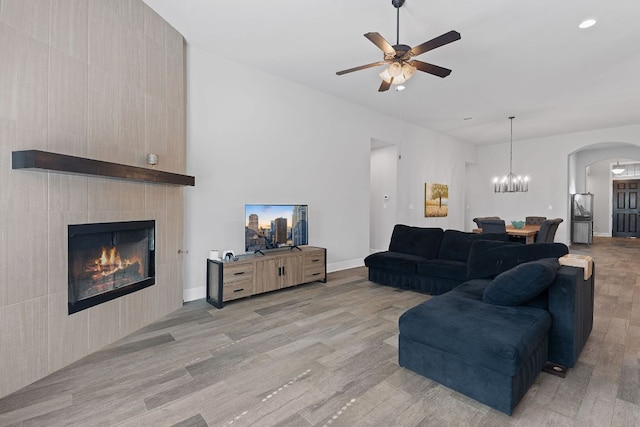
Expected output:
(109, 263)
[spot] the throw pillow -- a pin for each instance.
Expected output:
(521, 283)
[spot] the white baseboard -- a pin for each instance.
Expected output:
(344, 265)
(600, 234)
(193, 294)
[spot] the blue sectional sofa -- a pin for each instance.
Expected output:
(488, 337)
(428, 260)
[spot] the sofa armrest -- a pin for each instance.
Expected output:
(571, 307)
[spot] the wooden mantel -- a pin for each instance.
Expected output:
(54, 162)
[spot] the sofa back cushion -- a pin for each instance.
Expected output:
(522, 283)
(419, 241)
(456, 244)
(487, 259)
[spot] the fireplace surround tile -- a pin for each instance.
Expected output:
(131, 196)
(132, 120)
(23, 79)
(154, 26)
(104, 324)
(68, 94)
(104, 32)
(132, 57)
(4, 260)
(67, 143)
(104, 195)
(155, 197)
(69, 28)
(23, 329)
(155, 69)
(29, 17)
(27, 274)
(103, 115)
(68, 335)
(138, 309)
(71, 193)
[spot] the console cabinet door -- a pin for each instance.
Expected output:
(291, 270)
(267, 278)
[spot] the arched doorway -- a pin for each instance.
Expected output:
(590, 172)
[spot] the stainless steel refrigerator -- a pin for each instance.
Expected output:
(582, 218)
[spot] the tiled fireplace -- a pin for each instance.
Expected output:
(109, 260)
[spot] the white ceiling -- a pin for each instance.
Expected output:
(526, 58)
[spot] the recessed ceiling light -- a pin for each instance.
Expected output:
(587, 23)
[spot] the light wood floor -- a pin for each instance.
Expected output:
(326, 355)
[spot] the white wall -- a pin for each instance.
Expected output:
(267, 140)
(546, 161)
(598, 177)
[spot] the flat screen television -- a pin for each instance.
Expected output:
(275, 226)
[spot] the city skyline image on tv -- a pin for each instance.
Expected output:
(275, 226)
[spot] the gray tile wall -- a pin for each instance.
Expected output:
(102, 79)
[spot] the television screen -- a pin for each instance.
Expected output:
(275, 226)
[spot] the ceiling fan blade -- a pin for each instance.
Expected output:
(362, 67)
(445, 38)
(382, 44)
(385, 85)
(431, 69)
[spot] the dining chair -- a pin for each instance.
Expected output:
(548, 230)
(534, 220)
(493, 226)
(478, 220)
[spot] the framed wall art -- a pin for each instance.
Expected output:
(436, 197)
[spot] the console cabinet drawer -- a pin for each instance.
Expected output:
(238, 289)
(238, 273)
(314, 266)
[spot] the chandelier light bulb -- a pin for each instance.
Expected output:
(385, 75)
(394, 69)
(408, 70)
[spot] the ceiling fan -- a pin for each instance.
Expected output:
(399, 56)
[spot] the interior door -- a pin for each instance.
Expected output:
(625, 208)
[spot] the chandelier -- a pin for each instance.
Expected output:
(617, 169)
(511, 183)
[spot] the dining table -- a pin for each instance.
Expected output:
(528, 232)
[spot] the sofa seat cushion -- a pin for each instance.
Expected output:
(456, 244)
(443, 268)
(419, 241)
(522, 283)
(500, 338)
(394, 261)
